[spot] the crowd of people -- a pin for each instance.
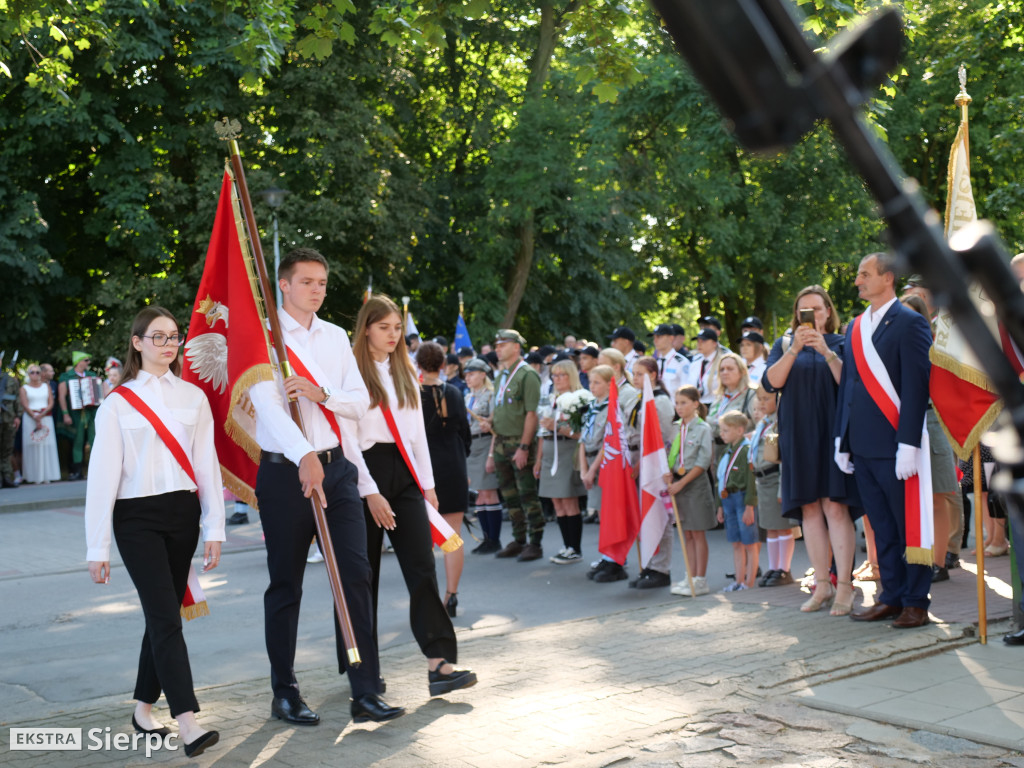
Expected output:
(402, 437)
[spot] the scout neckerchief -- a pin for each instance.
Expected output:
(508, 380)
(917, 490)
(172, 433)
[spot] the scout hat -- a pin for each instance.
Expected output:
(509, 334)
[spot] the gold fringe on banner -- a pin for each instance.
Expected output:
(195, 610)
(452, 544)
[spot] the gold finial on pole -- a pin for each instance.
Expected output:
(461, 309)
(962, 100)
(405, 315)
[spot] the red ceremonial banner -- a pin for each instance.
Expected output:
(620, 507)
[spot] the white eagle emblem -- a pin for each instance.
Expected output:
(207, 354)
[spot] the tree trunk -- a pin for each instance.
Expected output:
(540, 67)
(516, 286)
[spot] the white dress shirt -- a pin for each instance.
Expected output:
(756, 369)
(873, 318)
(129, 460)
(706, 384)
(331, 353)
(673, 370)
(363, 434)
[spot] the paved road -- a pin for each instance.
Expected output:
(572, 673)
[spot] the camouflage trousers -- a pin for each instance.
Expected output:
(7, 434)
(519, 489)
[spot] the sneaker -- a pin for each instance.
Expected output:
(487, 547)
(611, 572)
(736, 586)
(653, 580)
(952, 561)
(596, 567)
(683, 588)
(700, 585)
(567, 556)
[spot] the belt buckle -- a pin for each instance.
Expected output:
(329, 456)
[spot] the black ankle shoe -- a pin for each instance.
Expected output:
(370, 706)
(197, 747)
(441, 683)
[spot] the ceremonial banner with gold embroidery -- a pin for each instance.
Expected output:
(228, 349)
(964, 398)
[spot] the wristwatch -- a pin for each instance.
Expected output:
(327, 393)
(524, 447)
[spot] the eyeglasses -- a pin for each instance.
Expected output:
(34, 373)
(161, 339)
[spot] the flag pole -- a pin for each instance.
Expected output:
(230, 131)
(462, 310)
(405, 315)
(963, 101)
(682, 542)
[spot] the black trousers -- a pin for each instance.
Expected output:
(157, 537)
(288, 525)
(413, 547)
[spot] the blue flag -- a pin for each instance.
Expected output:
(462, 335)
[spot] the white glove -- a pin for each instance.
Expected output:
(843, 460)
(906, 461)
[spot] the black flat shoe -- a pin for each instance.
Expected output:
(452, 603)
(370, 706)
(1014, 638)
(293, 710)
(441, 683)
(162, 731)
(197, 747)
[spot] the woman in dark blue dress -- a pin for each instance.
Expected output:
(805, 366)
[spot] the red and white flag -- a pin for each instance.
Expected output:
(655, 507)
(620, 509)
(228, 349)
(963, 396)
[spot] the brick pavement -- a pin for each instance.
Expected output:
(580, 693)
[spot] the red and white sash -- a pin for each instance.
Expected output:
(313, 372)
(173, 434)
(442, 534)
(917, 489)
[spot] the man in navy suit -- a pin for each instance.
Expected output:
(884, 456)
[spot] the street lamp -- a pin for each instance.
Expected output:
(274, 197)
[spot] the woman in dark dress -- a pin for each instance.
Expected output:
(805, 366)
(444, 415)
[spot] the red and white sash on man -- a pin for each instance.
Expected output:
(441, 533)
(917, 489)
(172, 432)
(313, 372)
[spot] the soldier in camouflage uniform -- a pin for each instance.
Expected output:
(513, 448)
(10, 417)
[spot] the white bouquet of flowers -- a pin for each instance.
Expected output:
(574, 406)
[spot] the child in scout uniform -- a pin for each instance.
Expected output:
(769, 507)
(689, 459)
(738, 499)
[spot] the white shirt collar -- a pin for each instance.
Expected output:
(147, 379)
(292, 325)
(878, 314)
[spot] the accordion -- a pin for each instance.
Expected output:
(84, 392)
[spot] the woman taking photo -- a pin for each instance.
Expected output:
(805, 366)
(154, 472)
(556, 449)
(389, 448)
(479, 409)
(444, 414)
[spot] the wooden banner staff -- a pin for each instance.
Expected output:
(230, 132)
(682, 542)
(962, 100)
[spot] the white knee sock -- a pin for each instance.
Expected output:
(786, 546)
(773, 553)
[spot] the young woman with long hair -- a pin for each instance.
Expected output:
(391, 453)
(157, 503)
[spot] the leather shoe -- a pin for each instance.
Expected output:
(197, 747)
(530, 552)
(876, 612)
(911, 617)
(939, 574)
(441, 683)
(512, 549)
(293, 710)
(779, 579)
(653, 579)
(239, 518)
(162, 731)
(370, 706)
(1014, 638)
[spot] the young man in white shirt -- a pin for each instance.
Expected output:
(673, 367)
(294, 466)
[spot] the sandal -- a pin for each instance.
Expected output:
(842, 609)
(816, 603)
